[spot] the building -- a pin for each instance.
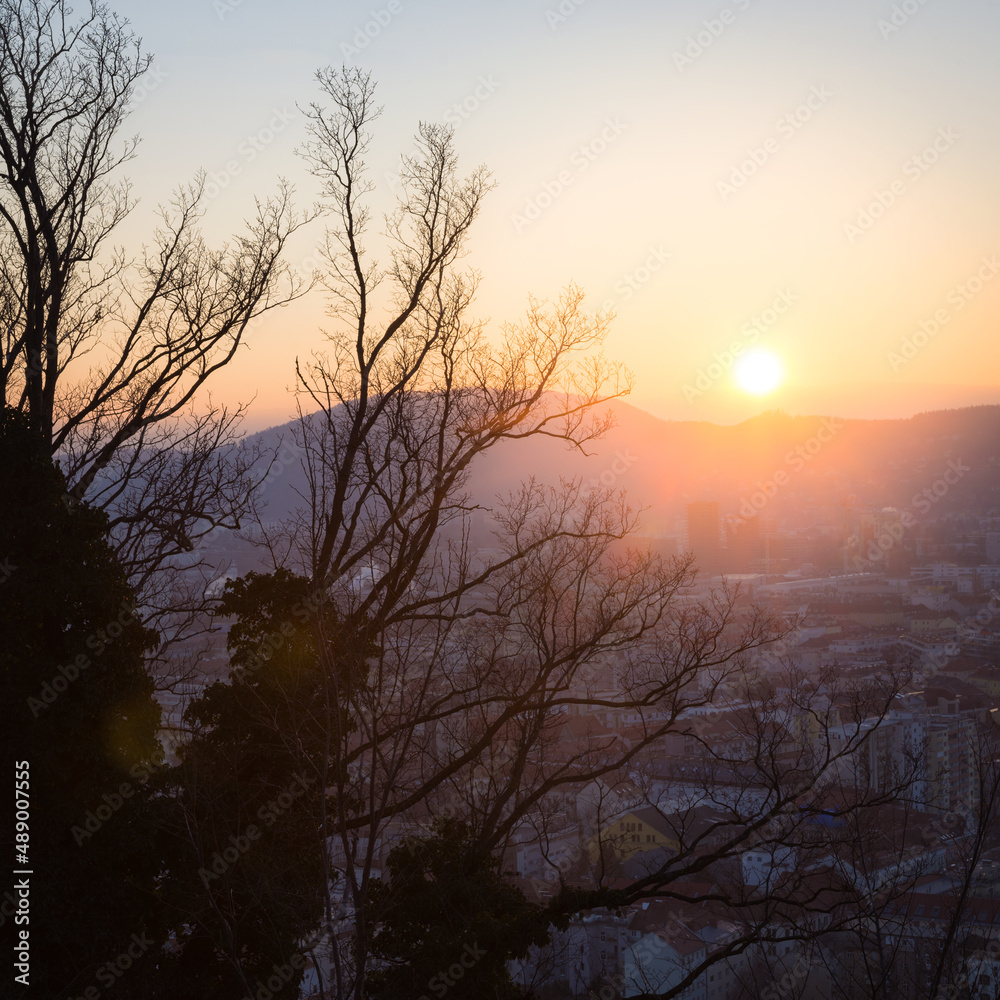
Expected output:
(642, 830)
(704, 534)
(744, 544)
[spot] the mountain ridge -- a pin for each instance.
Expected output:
(665, 464)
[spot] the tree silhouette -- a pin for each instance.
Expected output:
(244, 806)
(79, 708)
(449, 920)
(153, 330)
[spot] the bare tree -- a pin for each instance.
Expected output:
(485, 631)
(408, 398)
(122, 422)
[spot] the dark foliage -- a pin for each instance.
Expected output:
(449, 920)
(79, 708)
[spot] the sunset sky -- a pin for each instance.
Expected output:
(828, 170)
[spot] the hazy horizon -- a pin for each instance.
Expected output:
(850, 403)
(816, 182)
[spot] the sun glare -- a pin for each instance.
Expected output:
(759, 372)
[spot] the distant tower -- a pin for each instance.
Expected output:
(852, 558)
(744, 544)
(704, 534)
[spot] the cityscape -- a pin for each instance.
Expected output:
(500, 501)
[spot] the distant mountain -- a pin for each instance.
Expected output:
(886, 400)
(796, 461)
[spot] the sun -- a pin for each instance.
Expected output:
(759, 372)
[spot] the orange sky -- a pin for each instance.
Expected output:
(693, 165)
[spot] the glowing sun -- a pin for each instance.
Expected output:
(759, 372)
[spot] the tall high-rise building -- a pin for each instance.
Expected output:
(744, 544)
(704, 534)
